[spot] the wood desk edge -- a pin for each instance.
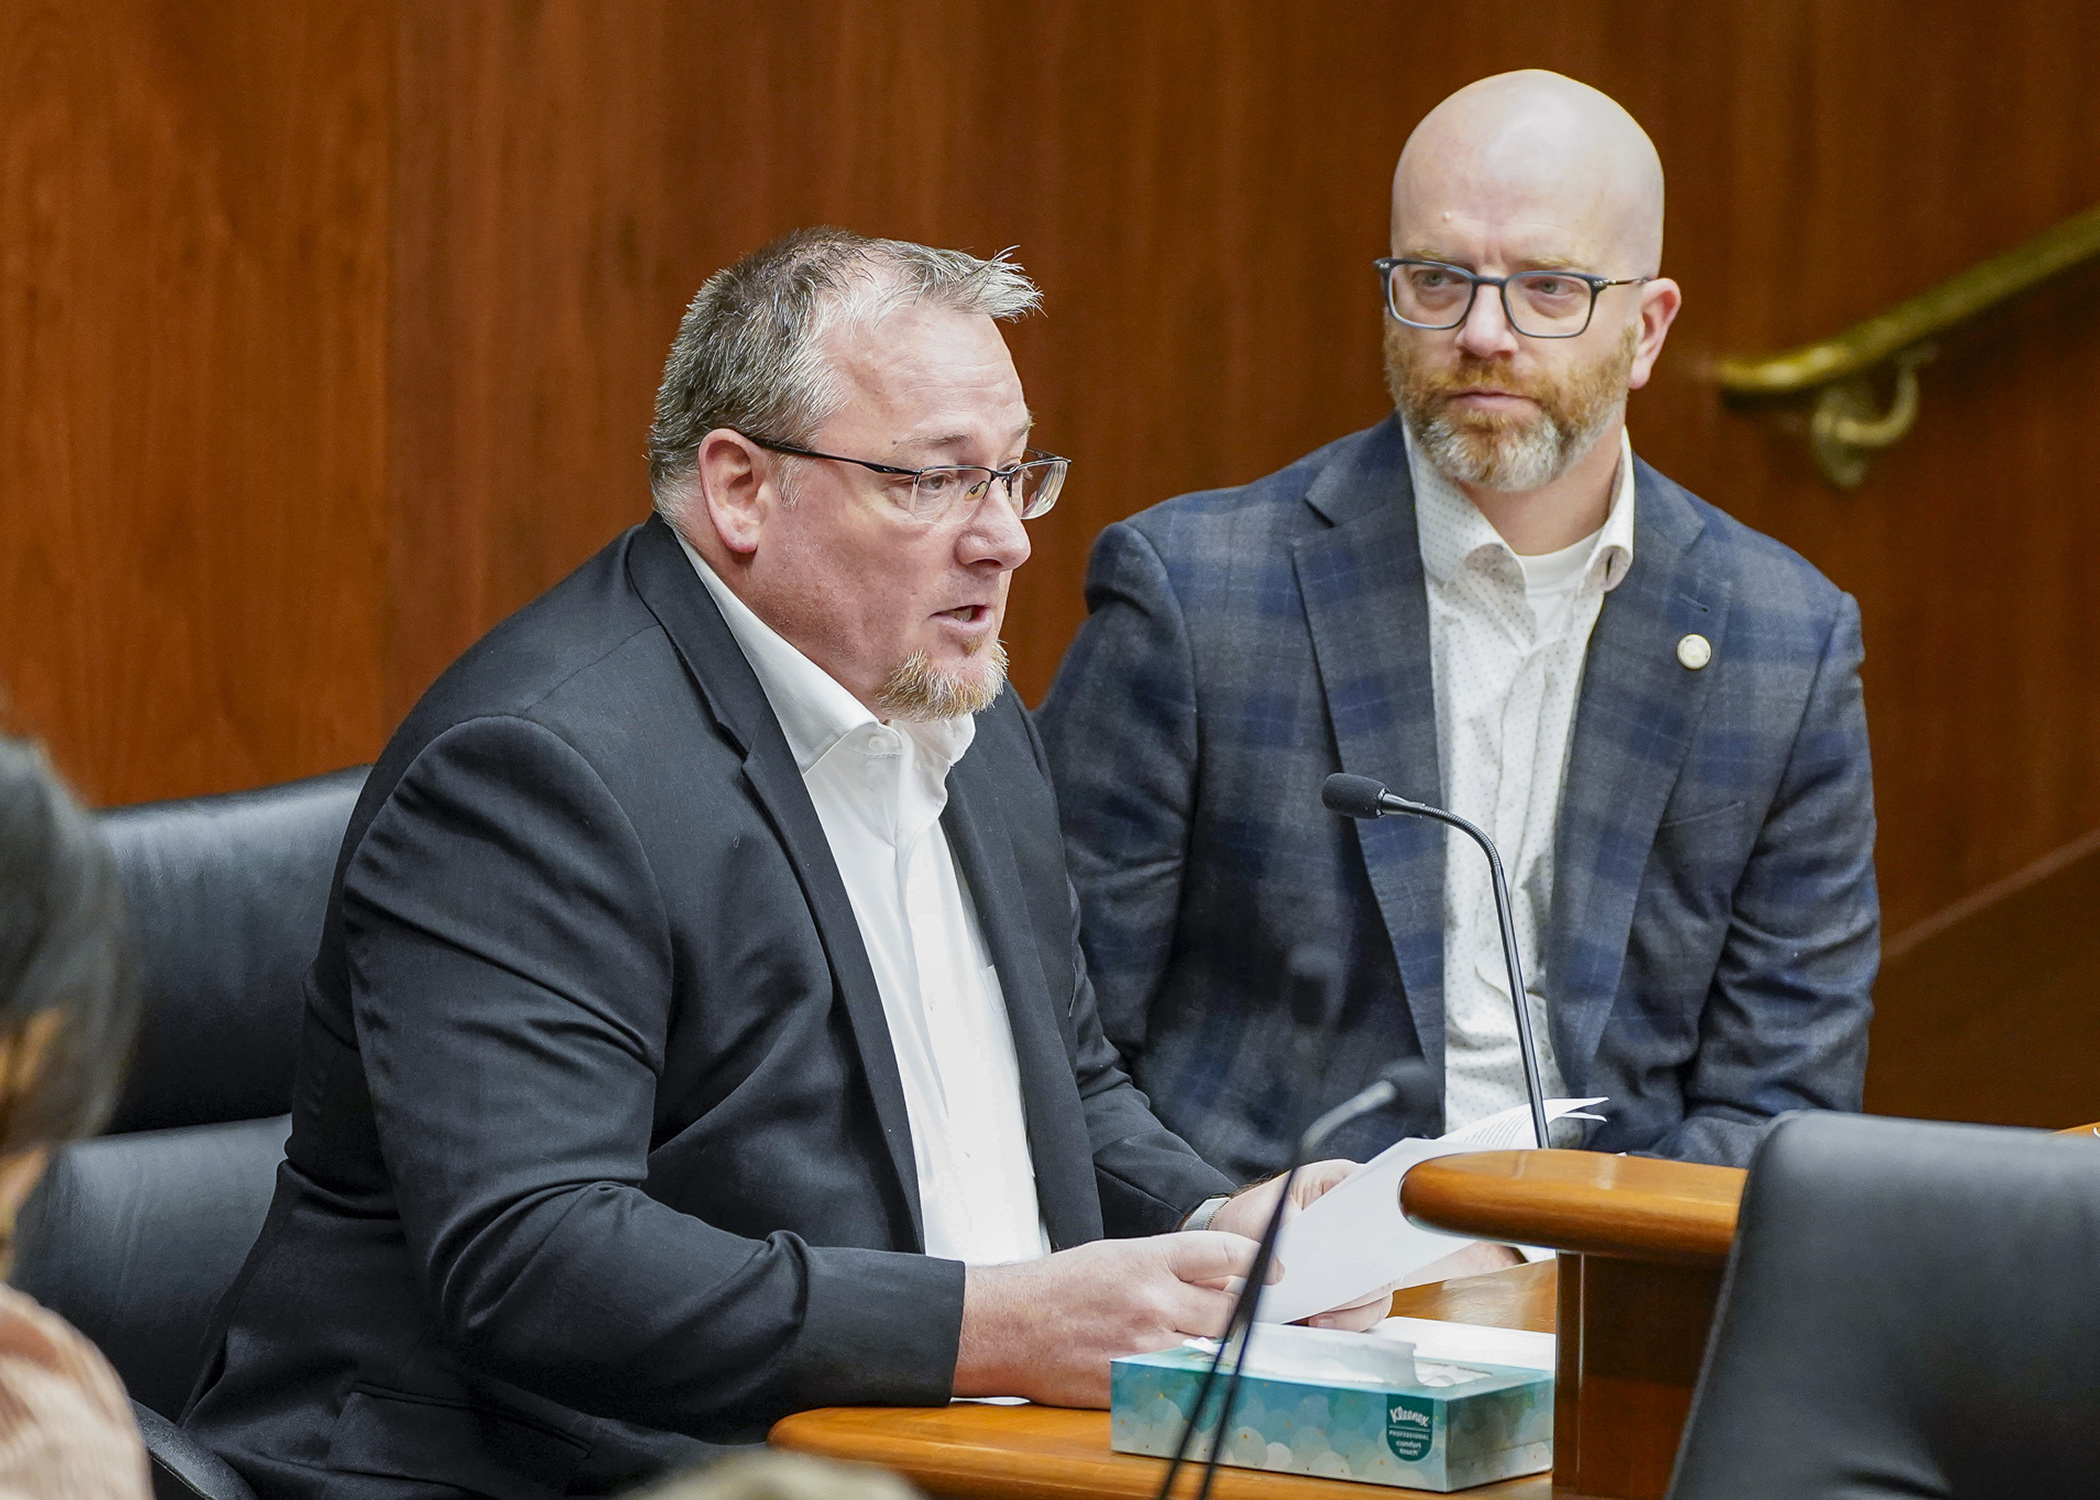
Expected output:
(1588, 1203)
(1624, 1207)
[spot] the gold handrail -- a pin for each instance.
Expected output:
(1845, 430)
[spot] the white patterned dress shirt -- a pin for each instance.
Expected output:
(879, 790)
(1507, 638)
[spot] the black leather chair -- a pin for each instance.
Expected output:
(1911, 1309)
(134, 1237)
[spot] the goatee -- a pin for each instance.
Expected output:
(917, 690)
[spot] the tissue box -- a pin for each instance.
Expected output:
(1428, 1427)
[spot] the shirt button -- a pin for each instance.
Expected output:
(1694, 652)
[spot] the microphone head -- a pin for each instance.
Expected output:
(1414, 1082)
(1353, 796)
(1314, 987)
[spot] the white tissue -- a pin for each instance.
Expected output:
(1328, 1356)
(1463, 1342)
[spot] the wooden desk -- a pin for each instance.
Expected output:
(1643, 1246)
(972, 1452)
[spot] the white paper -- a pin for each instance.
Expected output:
(1354, 1239)
(1511, 1130)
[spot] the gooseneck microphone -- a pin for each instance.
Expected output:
(1408, 1078)
(1361, 797)
(1314, 986)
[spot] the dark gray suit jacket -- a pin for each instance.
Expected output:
(1714, 930)
(599, 1145)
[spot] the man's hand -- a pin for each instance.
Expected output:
(1046, 1329)
(1247, 1212)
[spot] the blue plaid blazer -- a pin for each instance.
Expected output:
(1715, 929)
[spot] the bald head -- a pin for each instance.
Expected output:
(1548, 169)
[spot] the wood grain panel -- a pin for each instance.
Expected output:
(549, 221)
(1516, 1297)
(1987, 1014)
(1632, 1337)
(1200, 187)
(551, 224)
(192, 410)
(328, 332)
(1903, 171)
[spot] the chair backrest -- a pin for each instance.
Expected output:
(224, 897)
(134, 1237)
(1912, 1309)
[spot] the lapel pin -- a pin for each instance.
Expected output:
(1694, 652)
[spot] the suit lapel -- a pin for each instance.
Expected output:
(680, 602)
(1361, 580)
(1057, 1137)
(1633, 726)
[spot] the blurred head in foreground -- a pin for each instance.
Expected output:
(66, 1012)
(767, 1474)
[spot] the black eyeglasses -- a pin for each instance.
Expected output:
(1538, 304)
(1030, 486)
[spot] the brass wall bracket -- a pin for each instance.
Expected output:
(1847, 427)
(1846, 430)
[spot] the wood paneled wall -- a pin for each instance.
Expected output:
(1985, 1011)
(328, 331)
(193, 407)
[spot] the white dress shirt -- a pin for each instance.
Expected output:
(879, 790)
(1507, 638)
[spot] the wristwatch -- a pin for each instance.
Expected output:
(1200, 1216)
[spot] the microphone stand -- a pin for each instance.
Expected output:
(1382, 1091)
(1361, 797)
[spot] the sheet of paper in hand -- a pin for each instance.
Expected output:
(1354, 1239)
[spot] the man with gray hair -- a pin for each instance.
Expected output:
(699, 1031)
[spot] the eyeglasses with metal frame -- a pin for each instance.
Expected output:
(1030, 486)
(1548, 304)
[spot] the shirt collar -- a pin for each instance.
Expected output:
(814, 710)
(1450, 527)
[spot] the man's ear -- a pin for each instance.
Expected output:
(1660, 300)
(732, 490)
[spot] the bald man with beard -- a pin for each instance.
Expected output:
(1486, 602)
